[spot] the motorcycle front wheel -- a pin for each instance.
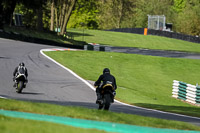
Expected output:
(20, 86)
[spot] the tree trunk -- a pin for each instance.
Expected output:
(7, 11)
(68, 12)
(56, 13)
(62, 14)
(13, 5)
(39, 19)
(121, 10)
(52, 15)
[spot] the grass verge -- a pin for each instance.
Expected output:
(142, 80)
(83, 113)
(30, 126)
(133, 40)
(45, 35)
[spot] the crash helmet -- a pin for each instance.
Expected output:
(21, 64)
(106, 70)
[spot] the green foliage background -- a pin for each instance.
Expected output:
(84, 15)
(110, 14)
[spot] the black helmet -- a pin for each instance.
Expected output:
(21, 64)
(106, 70)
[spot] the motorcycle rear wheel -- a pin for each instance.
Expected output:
(100, 106)
(108, 100)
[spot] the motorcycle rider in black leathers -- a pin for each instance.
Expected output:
(106, 76)
(16, 72)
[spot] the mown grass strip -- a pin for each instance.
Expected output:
(19, 125)
(88, 124)
(92, 114)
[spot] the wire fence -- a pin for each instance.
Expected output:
(156, 22)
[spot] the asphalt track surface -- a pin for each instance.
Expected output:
(162, 53)
(50, 83)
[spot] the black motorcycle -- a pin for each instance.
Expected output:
(107, 96)
(20, 81)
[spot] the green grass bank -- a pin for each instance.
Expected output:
(133, 40)
(142, 80)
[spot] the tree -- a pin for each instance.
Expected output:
(179, 5)
(84, 15)
(6, 11)
(67, 15)
(151, 7)
(27, 8)
(114, 13)
(63, 10)
(39, 12)
(188, 20)
(52, 14)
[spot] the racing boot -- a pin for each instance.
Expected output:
(24, 85)
(113, 97)
(15, 85)
(99, 100)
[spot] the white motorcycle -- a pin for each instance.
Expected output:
(20, 81)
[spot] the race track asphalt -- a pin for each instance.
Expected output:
(162, 53)
(50, 83)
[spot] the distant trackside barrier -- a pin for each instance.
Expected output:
(145, 31)
(186, 92)
(97, 47)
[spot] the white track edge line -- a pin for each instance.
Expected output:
(41, 51)
(87, 83)
(3, 97)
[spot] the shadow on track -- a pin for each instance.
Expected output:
(31, 93)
